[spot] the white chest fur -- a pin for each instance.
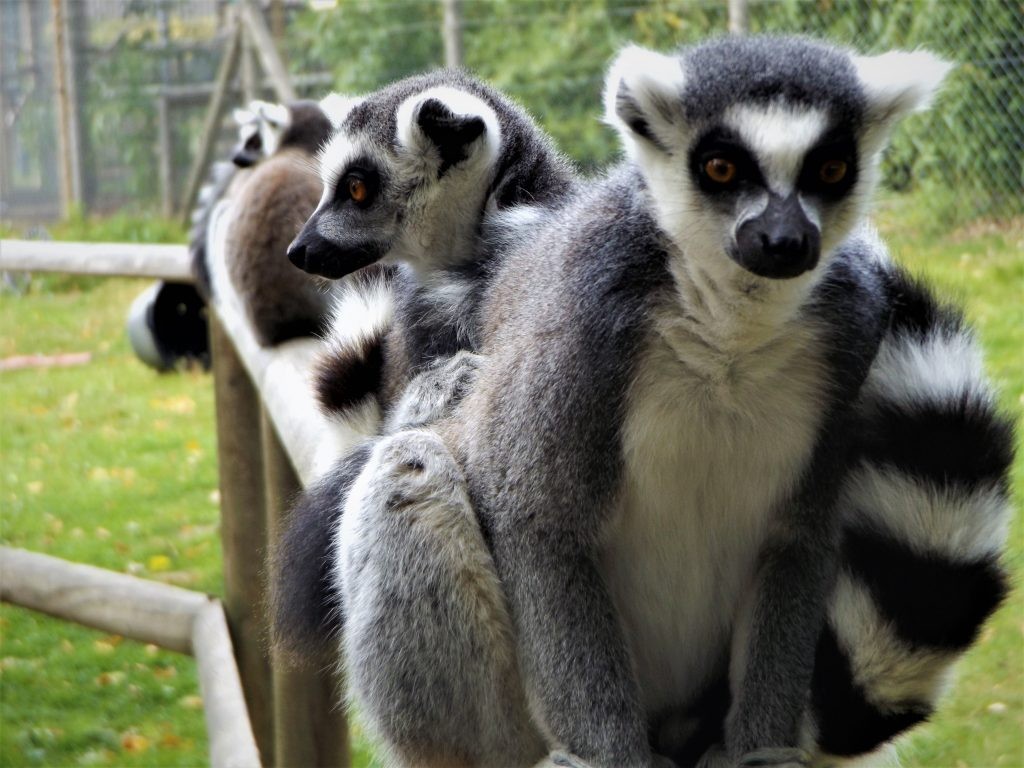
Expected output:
(713, 442)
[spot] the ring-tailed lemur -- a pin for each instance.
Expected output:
(167, 322)
(269, 209)
(433, 174)
(729, 459)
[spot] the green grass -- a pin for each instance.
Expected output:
(112, 464)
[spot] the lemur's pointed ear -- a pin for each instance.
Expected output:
(642, 95)
(899, 82)
(337, 107)
(277, 115)
(449, 126)
(243, 116)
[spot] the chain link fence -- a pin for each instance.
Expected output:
(143, 70)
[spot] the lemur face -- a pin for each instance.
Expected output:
(762, 151)
(260, 126)
(405, 177)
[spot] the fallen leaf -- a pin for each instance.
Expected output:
(180, 404)
(159, 563)
(162, 673)
(134, 742)
(171, 741)
(109, 678)
(191, 702)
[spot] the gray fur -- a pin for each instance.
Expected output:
(444, 214)
(600, 311)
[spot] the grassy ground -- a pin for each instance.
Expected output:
(112, 464)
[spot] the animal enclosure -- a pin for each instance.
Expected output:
(265, 442)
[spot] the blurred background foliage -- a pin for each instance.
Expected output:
(967, 154)
(551, 56)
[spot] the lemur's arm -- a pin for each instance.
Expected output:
(774, 644)
(577, 668)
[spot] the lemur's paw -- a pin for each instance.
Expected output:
(775, 757)
(562, 760)
(415, 466)
(435, 392)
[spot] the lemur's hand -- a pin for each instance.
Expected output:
(434, 393)
(559, 759)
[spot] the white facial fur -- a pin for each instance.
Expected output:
(439, 216)
(269, 120)
(644, 89)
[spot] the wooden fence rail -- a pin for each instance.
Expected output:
(150, 612)
(268, 431)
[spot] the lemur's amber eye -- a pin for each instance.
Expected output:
(720, 170)
(357, 190)
(832, 171)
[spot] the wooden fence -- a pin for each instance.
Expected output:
(259, 711)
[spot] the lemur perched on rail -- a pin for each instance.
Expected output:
(743, 480)
(432, 174)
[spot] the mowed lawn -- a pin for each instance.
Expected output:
(112, 464)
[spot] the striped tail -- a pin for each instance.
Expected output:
(926, 514)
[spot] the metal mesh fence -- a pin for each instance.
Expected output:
(143, 71)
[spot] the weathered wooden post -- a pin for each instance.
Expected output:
(211, 124)
(243, 528)
(739, 17)
(310, 728)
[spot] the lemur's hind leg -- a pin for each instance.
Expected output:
(428, 644)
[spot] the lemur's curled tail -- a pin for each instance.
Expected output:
(926, 515)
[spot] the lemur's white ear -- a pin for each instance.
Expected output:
(448, 126)
(641, 95)
(337, 106)
(276, 115)
(243, 116)
(899, 82)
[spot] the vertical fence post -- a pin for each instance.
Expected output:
(163, 116)
(243, 528)
(739, 17)
(310, 728)
(65, 109)
(451, 29)
(211, 124)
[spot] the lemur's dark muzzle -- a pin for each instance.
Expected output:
(244, 158)
(781, 243)
(312, 252)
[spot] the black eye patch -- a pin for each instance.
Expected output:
(829, 170)
(359, 185)
(720, 149)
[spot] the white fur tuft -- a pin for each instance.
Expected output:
(337, 107)
(460, 103)
(899, 82)
(651, 84)
(277, 115)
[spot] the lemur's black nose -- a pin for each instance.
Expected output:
(780, 243)
(297, 254)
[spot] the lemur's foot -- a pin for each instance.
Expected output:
(415, 466)
(775, 757)
(435, 392)
(560, 759)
